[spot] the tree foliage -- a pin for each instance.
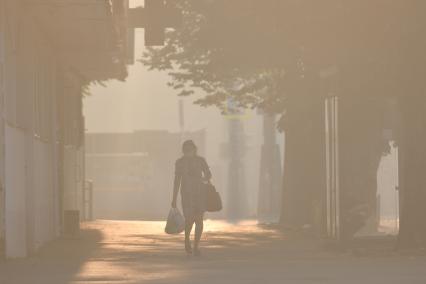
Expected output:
(260, 53)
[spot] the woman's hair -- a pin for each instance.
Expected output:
(188, 146)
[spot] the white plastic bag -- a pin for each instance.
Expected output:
(175, 222)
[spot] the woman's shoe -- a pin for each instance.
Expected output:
(197, 252)
(188, 248)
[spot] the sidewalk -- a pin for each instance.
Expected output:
(139, 252)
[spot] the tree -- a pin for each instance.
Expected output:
(236, 65)
(272, 54)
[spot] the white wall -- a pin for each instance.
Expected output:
(73, 173)
(45, 195)
(31, 189)
(16, 213)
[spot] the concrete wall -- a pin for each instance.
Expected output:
(31, 190)
(41, 123)
(73, 140)
(16, 205)
(73, 173)
(45, 195)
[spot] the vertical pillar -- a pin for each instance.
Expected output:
(16, 207)
(15, 146)
(332, 168)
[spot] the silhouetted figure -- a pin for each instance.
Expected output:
(190, 173)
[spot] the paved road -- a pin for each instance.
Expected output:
(139, 252)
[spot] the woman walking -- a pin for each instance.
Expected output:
(191, 172)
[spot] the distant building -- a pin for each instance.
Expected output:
(132, 173)
(49, 52)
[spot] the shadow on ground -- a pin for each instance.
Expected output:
(57, 263)
(139, 252)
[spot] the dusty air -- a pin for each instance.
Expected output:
(212, 141)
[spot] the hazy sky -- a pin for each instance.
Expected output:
(143, 101)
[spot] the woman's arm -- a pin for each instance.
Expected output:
(176, 185)
(206, 170)
(176, 188)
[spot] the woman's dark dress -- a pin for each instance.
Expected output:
(190, 172)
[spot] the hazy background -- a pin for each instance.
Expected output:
(145, 102)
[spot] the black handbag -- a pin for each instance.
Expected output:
(213, 199)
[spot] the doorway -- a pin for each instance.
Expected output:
(384, 219)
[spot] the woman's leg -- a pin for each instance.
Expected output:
(188, 228)
(199, 227)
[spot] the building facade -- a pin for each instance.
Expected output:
(49, 53)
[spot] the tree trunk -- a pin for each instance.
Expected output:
(304, 165)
